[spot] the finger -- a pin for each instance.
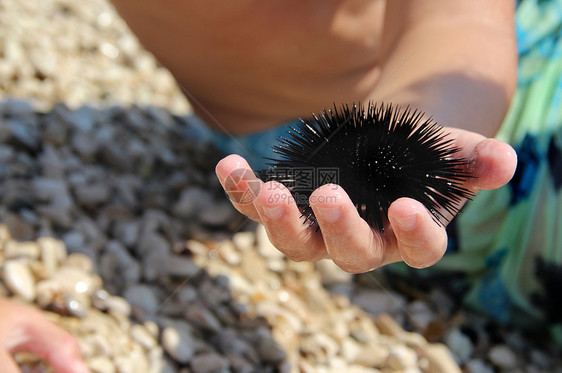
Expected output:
(492, 162)
(240, 183)
(421, 241)
(32, 332)
(350, 241)
(284, 224)
(51, 344)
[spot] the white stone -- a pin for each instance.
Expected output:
(53, 252)
(75, 280)
(18, 278)
(142, 336)
(101, 364)
(14, 249)
(244, 240)
(401, 357)
(331, 274)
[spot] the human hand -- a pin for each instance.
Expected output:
(412, 234)
(24, 329)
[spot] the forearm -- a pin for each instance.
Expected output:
(455, 60)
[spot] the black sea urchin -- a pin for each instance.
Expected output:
(377, 154)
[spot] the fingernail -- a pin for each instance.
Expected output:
(274, 212)
(329, 214)
(406, 223)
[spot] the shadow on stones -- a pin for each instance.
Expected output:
(127, 187)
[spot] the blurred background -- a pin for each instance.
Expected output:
(113, 224)
(78, 52)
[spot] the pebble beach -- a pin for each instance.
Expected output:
(113, 224)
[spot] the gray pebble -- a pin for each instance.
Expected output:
(459, 344)
(379, 301)
(503, 357)
(143, 297)
(478, 366)
(209, 363)
(178, 342)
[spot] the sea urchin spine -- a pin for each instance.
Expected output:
(377, 154)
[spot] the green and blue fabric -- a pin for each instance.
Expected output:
(508, 242)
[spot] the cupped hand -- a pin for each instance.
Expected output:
(412, 235)
(446, 61)
(24, 329)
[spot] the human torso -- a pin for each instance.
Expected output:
(249, 64)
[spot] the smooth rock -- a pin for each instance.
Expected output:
(14, 249)
(49, 189)
(75, 280)
(379, 301)
(439, 359)
(18, 278)
(388, 326)
(372, 355)
(401, 358)
(244, 240)
(50, 293)
(459, 344)
(178, 342)
(502, 356)
(142, 296)
(152, 242)
(192, 201)
(270, 351)
(181, 266)
(331, 274)
(53, 252)
(101, 364)
(80, 262)
(478, 366)
(116, 304)
(420, 315)
(143, 336)
(74, 241)
(209, 363)
(202, 318)
(230, 343)
(92, 194)
(130, 269)
(320, 347)
(229, 253)
(127, 232)
(219, 214)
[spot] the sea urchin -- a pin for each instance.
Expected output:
(377, 154)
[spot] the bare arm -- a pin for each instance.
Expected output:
(455, 60)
